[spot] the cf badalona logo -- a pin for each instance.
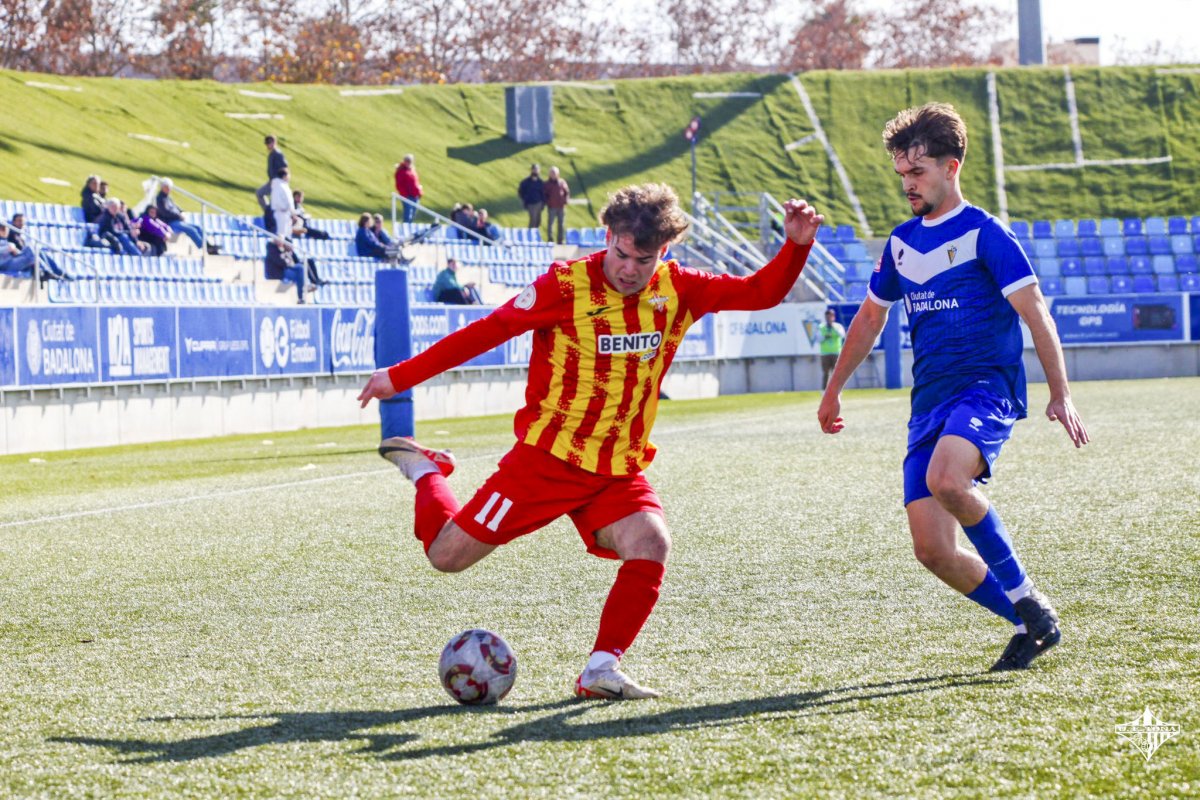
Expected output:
(273, 344)
(1147, 732)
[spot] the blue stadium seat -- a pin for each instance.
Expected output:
(1113, 246)
(1075, 286)
(1143, 283)
(837, 250)
(1186, 264)
(1140, 265)
(854, 272)
(1088, 227)
(845, 233)
(1042, 229)
(1132, 226)
(857, 251)
(1168, 283)
(1180, 244)
(1121, 284)
(1064, 229)
(1156, 226)
(1020, 228)
(1091, 247)
(1070, 267)
(1045, 248)
(1111, 227)
(856, 291)
(1189, 283)
(1048, 268)
(1052, 287)
(1094, 265)
(1097, 284)
(573, 236)
(1163, 265)
(1160, 246)
(1177, 226)
(826, 234)
(1026, 245)
(1068, 248)
(1137, 246)
(1117, 265)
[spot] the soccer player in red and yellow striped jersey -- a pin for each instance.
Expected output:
(605, 331)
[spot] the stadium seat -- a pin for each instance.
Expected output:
(1132, 226)
(1097, 284)
(1064, 229)
(1052, 287)
(1181, 244)
(1026, 245)
(857, 291)
(826, 234)
(1042, 229)
(1020, 228)
(845, 233)
(1048, 267)
(857, 251)
(1070, 267)
(1045, 248)
(1112, 245)
(1087, 227)
(854, 272)
(1068, 248)
(1143, 283)
(1121, 284)
(1117, 265)
(1168, 283)
(1137, 246)
(1140, 265)
(836, 250)
(1156, 226)
(1094, 265)
(1163, 265)
(1189, 283)
(1186, 264)
(1160, 246)
(1177, 226)
(1092, 247)
(573, 236)
(1111, 227)
(1076, 286)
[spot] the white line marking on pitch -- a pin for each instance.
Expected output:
(58, 87)
(145, 137)
(264, 95)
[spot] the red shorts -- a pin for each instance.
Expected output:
(532, 488)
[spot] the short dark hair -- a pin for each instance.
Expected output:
(649, 213)
(934, 129)
(279, 173)
(270, 139)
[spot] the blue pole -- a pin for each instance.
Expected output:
(393, 343)
(891, 351)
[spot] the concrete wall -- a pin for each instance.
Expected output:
(66, 419)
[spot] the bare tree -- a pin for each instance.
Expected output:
(834, 37)
(717, 35)
(939, 33)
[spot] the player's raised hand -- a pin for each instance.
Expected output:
(829, 412)
(1064, 411)
(379, 386)
(800, 221)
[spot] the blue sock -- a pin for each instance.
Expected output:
(991, 596)
(995, 548)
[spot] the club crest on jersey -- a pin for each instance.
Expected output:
(952, 252)
(613, 344)
(526, 298)
(658, 301)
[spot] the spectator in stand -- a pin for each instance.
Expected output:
(464, 215)
(366, 244)
(276, 161)
(447, 289)
(153, 231)
(173, 215)
(485, 228)
(89, 199)
(102, 191)
(16, 257)
(532, 192)
(115, 230)
(380, 232)
(282, 205)
(303, 225)
(132, 225)
(558, 194)
(408, 185)
(281, 266)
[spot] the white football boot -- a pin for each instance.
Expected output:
(610, 684)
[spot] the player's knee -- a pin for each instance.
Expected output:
(947, 487)
(446, 562)
(654, 544)
(934, 556)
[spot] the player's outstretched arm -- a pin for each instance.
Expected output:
(379, 387)
(1030, 304)
(860, 340)
(801, 221)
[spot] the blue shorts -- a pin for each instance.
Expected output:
(977, 414)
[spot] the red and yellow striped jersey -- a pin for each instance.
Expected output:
(599, 357)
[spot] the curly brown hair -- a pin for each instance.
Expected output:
(934, 129)
(649, 213)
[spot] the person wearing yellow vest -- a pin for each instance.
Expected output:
(831, 336)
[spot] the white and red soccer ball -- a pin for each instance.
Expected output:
(477, 667)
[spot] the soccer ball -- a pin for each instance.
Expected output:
(477, 667)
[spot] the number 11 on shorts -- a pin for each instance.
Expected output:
(494, 522)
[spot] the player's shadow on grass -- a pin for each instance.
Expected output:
(562, 726)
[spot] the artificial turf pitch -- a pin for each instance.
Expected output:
(251, 617)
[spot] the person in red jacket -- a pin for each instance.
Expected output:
(605, 331)
(408, 185)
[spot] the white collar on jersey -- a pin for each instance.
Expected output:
(949, 215)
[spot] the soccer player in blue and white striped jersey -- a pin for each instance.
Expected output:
(965, 283)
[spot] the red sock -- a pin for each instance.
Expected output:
(436, 505)
(629, 604)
